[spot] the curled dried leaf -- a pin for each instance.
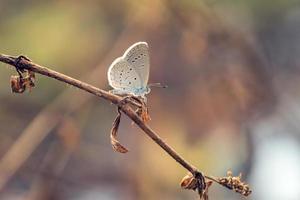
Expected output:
(117, 146)
(196, 182)
(16, 84)
(188, 182)
(22, 82)
(145, 114)
(143, 111)
(29, 80)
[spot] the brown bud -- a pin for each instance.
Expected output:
(16, 84)
(188, 182)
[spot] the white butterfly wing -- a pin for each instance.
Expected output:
(137, 57)
(123, 77)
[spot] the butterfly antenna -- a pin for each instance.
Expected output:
(159, 85)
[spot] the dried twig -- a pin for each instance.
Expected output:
(22, 64)
(50, 116)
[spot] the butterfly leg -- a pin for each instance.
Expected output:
(130, 99)
(126, 99)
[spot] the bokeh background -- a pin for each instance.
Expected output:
(233, 71)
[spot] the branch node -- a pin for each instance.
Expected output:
(25, 79)
(139, 103)
(196, 181)
(19, 64)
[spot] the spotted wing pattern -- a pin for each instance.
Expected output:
(130, 72)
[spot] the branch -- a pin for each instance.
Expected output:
(28, 65)
(193, 181)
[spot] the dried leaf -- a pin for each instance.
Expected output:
(188, 182)
(28, 80)
(22, 82)
(235, 183)
(196, 182)
(16, 84)
(143, 111)
(113, 135)
(205, 193)
(145, 114)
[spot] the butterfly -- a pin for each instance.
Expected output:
(129, 73)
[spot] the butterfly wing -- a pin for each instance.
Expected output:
(122, 77)
(137, 57)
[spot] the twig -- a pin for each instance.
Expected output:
(44, 122)
(20, 63)
(25, 64)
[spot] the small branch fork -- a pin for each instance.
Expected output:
(195, 180)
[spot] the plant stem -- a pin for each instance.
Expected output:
(28, 65)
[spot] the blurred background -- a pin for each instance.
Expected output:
(233, 71)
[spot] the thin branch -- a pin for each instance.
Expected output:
(28, 65)
(21, 63)
(36, 131)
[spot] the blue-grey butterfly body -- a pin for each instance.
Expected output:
(129, 73)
